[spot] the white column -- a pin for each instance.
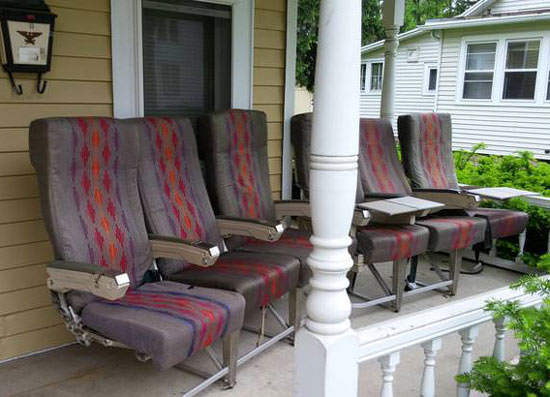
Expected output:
(326, 348)
(393, 18)
(388, 365)
(427, 387)
(468, 336)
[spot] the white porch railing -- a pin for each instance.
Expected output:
(384, 341)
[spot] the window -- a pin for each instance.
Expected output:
(479, 71)
(548, 88)
(363, 77)
(186, 58)
(520, 75)
(430, 79)
(376, 76)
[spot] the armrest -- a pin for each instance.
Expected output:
(389, 212)
(101, 282)
(361, 217)
(196, 253)
(451, 198)
(256, 228)
(292, 208)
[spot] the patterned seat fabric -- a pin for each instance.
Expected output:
(259, 278)
(234, 147)
(87, 172)
(379, 167)
(167, 321)
(170, 161)
(450, 233)
(502, 223)
(382, 243)
(426, 147)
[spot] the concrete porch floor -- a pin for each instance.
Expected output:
(100, 371)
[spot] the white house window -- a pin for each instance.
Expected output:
(548, 89)
(479, 71)
(376, 74)
(520, 76)
(431, 74)
(363, 77)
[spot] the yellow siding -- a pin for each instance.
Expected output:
(80, 84)
(269, 77)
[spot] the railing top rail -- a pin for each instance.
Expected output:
(394, 335)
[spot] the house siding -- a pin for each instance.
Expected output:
(505, 128)
(409, 79)
(505, 6)
(80, 83)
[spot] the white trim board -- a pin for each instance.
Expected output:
(290, 87)
(127, 56)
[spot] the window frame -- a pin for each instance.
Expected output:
(497, 97)
(369, 80)
(127, 55)
(428, 67)
(463, 71)
(363, 77)
(505, 69)
(368, 75)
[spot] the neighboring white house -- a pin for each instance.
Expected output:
(489, 68)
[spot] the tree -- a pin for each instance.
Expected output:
(308, 21)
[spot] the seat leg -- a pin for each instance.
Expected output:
(294, 312)
(454, 270)
(352, 277)
(230, 356)
(411, 278)
(398, 282)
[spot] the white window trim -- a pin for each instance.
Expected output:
(538, 70)
(500, 63)
(363, 84)
(127, 55)
(369, 63)
(426, 86)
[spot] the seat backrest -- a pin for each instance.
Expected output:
(171, 185)
(426, 148)
(300, 137)
(87, 174)
(379, 166)
(233, 144)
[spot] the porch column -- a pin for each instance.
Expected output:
(326, 348)
(393, 19)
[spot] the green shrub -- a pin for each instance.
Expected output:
(531, 375)
(521, 172)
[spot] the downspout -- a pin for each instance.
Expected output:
(440, 38)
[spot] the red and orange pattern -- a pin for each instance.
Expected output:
(178, 198)
(430, 144)
(240, 151)
(96, 192)
(371, 146)
(404, 241)
(464, 231)
(207, 317)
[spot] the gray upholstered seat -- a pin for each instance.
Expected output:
(176, 204)
(426, 147)
(87, 172)
(234, 146)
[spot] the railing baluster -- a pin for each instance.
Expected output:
(427, 388)
(468, 336)
(499, 352)
(388, 364)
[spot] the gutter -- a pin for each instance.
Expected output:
(468, 23)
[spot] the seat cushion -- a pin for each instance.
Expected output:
(167, 321)
(293, 242)
(502, 223)
(450, 233)
(260, 278)
(381, 243)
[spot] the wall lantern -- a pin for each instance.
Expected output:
(26, 37)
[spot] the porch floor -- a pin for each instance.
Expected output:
(100, 371)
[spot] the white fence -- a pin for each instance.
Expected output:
(384, 341)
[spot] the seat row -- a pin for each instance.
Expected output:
(434, 215)
(142, 262)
